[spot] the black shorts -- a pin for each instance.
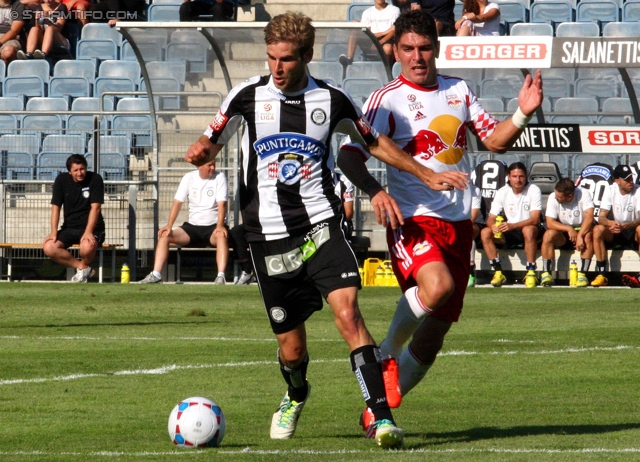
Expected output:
(295, 273)
(625, 240)
(71, 236)
(199, 236)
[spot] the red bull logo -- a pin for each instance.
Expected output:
(426, 144)
(461, 137)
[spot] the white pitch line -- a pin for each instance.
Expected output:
(242, 452)
(174, 367)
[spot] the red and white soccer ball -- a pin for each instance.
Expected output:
(196, 423)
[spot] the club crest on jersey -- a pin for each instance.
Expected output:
(85, 194)
(576, 213)
(318, 116)
(289, 171)
(454, 101)
(421, 248)
(526, 207)
(288, 143)
(210, 193)
(219, 121)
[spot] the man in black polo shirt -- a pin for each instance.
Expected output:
(81, 194)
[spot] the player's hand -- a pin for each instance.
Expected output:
(530, 96)
(50, 237)
(165, 231)
(615, 227)
(447, 180)
(580, 246)
(573, 235)
(221, 230)
(386, 210)
(197, 154)
(88, 237)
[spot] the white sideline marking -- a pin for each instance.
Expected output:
(246, 451)
(174, 367)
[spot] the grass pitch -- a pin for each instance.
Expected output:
(91, 372)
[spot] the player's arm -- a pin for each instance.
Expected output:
(631, 224)
(222, 215)
(94, 213)
(533, 220)
(55, 220)
(555, 224)
(388, 152)
(508, 131)
(176, 206)
(384, 206)
(587, 222)
(202, 151)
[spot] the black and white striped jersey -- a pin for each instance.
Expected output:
(286, 178)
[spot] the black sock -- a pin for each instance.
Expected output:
(496, 264)
(366, 364)
(296, 379)
(601, 266)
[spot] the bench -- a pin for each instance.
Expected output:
(626, 261)
(8, 248)
(179, 249)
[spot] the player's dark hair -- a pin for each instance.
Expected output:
(76, 159)
(565, 186)
(293, 28)
(417, 21)
(518, 166)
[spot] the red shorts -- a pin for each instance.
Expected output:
(423, 240)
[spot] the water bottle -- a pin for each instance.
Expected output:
(125, 277)
(499, 221)
(573, 273)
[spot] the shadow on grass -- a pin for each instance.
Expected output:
(489, 433)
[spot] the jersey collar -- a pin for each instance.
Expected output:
(415, 86)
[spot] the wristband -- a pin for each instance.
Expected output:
(519, 119)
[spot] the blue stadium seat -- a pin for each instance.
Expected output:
(48, 104)
(190, 46)
(396, 70)
(9, 123)
(20, 143)
(101, 31)
(512, 105)
(359, 88)
(575, 111)
(511, 12)
(616, 111)
(578, 29)
(631, 10)
(532, 29)
(163, 85)
(26, 79)
(137, 127)
(50, 164)
(113, 165)
(82, 124)
(501, 87)
(149, 41)
(355, 10)
(580, 161)
(160, 12)
(41, 124)
(621, 29)
(553, 11)
(603, 11)
(600, 88)
(326, 70)
(16, 165)
(493, 106)
(368, 69)
(72, 79)
(65, 143)
(150, 51)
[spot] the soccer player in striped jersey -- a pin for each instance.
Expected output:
(292, 214)
(428, 115)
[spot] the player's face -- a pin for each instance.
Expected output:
(417, 56)
(78, 172)
(287, 66)
(626, 186)
(207, 170)
(564, 198)
(517, 180)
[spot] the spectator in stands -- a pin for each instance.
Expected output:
(241, 250)
(112, 11)
(479, 17)
(569, 218)
(219, 10)
(442, 12)
(46, 32)
(81, 194)
(379, 20)
(207, 192)
(520, 202)
(78, 8)
(618, 222)
(11, 24)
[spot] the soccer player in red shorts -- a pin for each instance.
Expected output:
(427, 115)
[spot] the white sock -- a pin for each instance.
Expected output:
(411, 371)
(407, 318)
(220, 273)
(473, 252)
(156, 274)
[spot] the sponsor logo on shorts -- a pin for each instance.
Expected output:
(278, 314)
(421, 248)
(292, 260)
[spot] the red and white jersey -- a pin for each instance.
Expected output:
(571, 214)
(622, 208)
(429, 124)
(517, 207)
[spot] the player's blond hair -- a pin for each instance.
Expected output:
(293, 28)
